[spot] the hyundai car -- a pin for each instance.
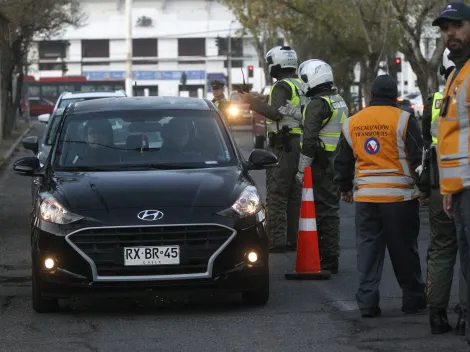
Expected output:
(140, 195)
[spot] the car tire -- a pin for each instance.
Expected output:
(258, 296)
(41, 304)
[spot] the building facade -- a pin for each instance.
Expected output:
(173, 41)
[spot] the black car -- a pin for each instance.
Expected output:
(165, 202)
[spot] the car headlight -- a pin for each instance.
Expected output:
(248, 203)
(52, 211)
(233, 110)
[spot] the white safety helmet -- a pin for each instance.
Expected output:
(279, 58)
(313, 73)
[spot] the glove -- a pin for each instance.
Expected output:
(304, 161)
(291, 110)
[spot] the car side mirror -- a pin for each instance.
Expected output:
(31, 143)
(261, 159)
(44, 118)
(26, 166)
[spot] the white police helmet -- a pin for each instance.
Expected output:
(281, 57)
(313, 73)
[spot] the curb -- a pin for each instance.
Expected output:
(8, 154)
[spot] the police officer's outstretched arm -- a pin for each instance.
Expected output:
(344, 165)
(280, 94)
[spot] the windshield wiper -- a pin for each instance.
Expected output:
(158, 167)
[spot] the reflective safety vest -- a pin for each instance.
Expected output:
(435, 112)
(297, 98)
(377, 138)
(331, 127)
(453, 129)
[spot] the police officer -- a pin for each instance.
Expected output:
(284, 138)
(442, 250)
(382, 146)
(220, 101)
(323, 117)
(453, 130)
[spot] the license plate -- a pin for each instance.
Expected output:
(163, 255)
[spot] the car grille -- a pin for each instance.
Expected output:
(197, 244)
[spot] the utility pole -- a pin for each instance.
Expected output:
(229, 61)
(129, 85)
(229, 65)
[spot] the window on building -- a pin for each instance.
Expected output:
(50, 67)
(145, 47)
(237, 47)
(235, 63)
(52, 49)
(192, 47)
(95, 48)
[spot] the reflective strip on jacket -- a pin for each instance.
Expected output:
(377, 137)
(296, 99)
(453, 145)
(331, 132)
(435, 112)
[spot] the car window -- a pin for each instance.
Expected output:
(64, 102)
(143, 139)
(52, 131)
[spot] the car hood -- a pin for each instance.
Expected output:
(218, 187)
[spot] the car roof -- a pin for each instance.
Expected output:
(94, 94)
(141, 103)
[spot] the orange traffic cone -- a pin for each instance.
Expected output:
(307, 265)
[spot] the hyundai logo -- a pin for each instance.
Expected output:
(150, 215)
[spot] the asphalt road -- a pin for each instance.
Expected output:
(300, 316)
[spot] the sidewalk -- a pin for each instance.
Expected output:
(9, 145)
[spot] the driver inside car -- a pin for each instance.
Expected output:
(99, 148)
(179, 138)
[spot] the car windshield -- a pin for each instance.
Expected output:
(142, 139)
(64, 102)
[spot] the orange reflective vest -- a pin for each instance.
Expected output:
(453, 131)
(377, 138)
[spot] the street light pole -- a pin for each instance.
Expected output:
(129, 85)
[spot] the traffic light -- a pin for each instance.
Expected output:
(398, 64)
(217, 41)
(250, 71)
(184, 79)
(64, 67)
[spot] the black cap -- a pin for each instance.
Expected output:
(384, 86)
(217, 84)
(453, 11)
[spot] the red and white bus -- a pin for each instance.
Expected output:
(51, 88)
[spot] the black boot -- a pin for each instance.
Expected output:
(330, 263)
(461, 322)
(439, 322)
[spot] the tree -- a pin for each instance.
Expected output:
(366, 32)
(415, 18)
(255, 18)
(23, 21)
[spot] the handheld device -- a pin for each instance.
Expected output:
(244, 88)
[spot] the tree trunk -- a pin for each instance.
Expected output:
(426, 74)
(391, 66)
(260, 50)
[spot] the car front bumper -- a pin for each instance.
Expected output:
(213, 264)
